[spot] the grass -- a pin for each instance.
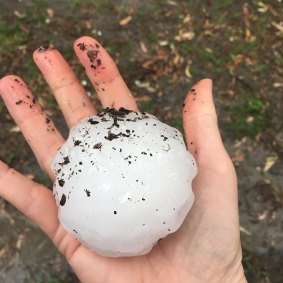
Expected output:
(11, 37)
(248, 119)
(45, 181)
(10, 159)
(245, 47)
(220, 4)
(52, 278)
(186, 48)
(146, 106)
(213, 57)
(254, 270)
(152, 9)
(177, 123)
(101, 5)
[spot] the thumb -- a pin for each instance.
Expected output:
(200, 125)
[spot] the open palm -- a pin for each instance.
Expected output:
(207, 246)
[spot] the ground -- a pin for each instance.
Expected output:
(161, 48)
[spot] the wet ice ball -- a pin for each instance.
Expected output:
(123, 181)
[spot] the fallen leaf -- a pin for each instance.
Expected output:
(249, 36)
(262, 215)
(50, 12)
(278, 26)
(49, 113)
(262, 8)
(238, 157)
(143, 47)
(185, 36)
(30, 176)
(41, 101)
(176, 59)
(277, 85)
(163, 42)
(15, 129)
(20, 241)
(141, 84)
(125, 21)
(4, 250)
(188, 72)
(187, 19)
(19, 15)
(269, 162)
(172, 3)
(245, 231)
(250, 119)
(147, 64)
(88, 25)
(239, 143)
(144, 98)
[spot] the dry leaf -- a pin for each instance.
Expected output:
(262, 215)
(24, 29)
(176, 59)
(141, 84)
(30, 176)
(20, 241)
(15, 129)
(172, 3)
(4, 250)
(50, 12)
(18, 14)
(144, 98)
(147, 64)
(238, 157)
(163, 42)
(49, 113)
(262, 8)
(249, 37)
(88, 25)
(188, 72)
(269, 162)
(185, 36)
(239, 143)
(250, 119)
(143, 47)
(187, 19)
(245, 231)
(278, 26)
(278, 85)
(125, 21)
(41, 101)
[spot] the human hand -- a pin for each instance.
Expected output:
(207, 246)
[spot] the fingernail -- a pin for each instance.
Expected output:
(45, 46)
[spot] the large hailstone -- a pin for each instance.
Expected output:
(123, 182)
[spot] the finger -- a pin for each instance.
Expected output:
(37, 128)
(200, 124)
(104, 75)
(64, 84)
(32, 199)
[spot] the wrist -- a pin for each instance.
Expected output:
(231, 276)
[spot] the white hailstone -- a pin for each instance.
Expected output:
(123, 182)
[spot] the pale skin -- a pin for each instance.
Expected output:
(206, 248)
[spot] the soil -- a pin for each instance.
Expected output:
(161, 48)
